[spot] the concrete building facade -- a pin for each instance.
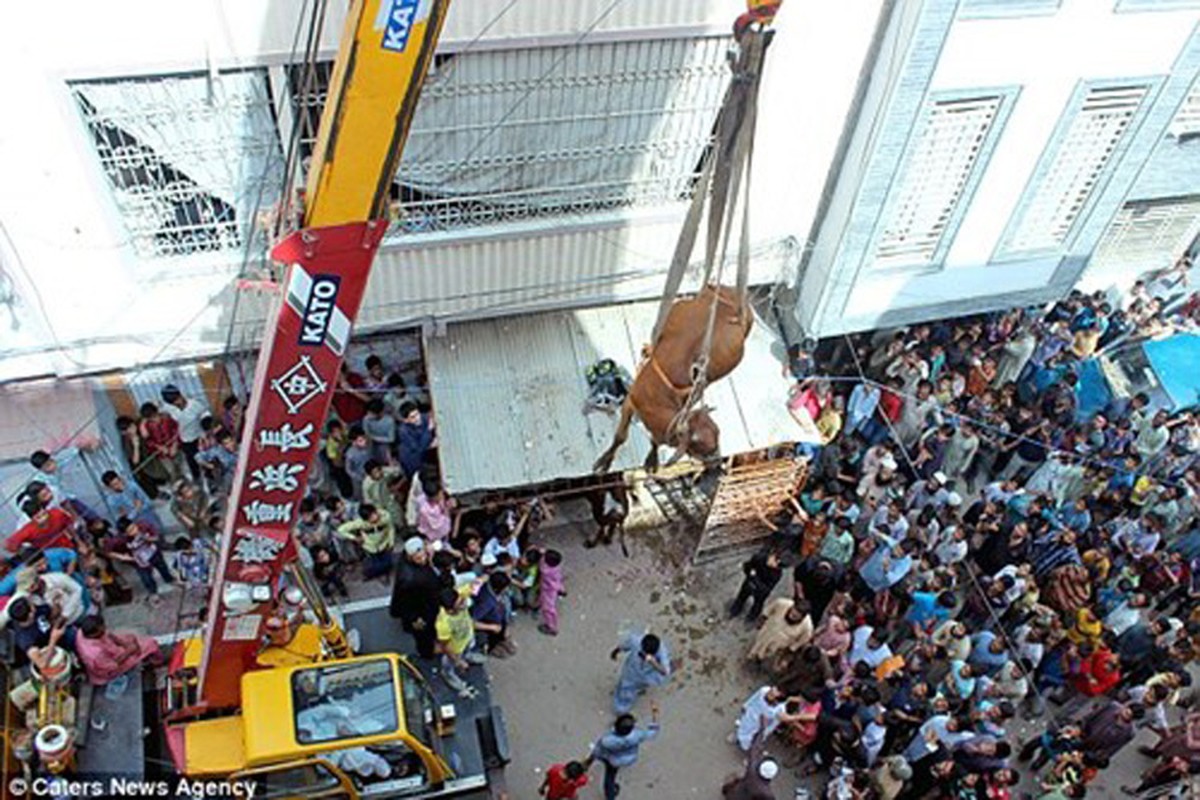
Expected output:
(916, 158)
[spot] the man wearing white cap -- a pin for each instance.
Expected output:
(931, 491)
(755, 784)
(890, 776)
(415, 595)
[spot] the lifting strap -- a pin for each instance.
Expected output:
(724, 182)
(725, 173)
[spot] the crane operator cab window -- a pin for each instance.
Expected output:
(345, 702)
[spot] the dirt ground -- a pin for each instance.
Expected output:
(557, 692)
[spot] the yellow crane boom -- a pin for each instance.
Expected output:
(386, 50)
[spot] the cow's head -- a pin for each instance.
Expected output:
(701, 438)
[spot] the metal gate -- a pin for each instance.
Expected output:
(753, 484)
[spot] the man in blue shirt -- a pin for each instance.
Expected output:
(647, 663)
(129, 500)
(414, 438)
(219, 463)
(988, 653)
(619, 747)
(490, 613)
(52, 559)
(887, 566)
(864, 399)
(1187, 545)
(928, 610)
(1076, 517)
(49, 473)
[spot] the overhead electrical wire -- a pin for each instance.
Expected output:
(154, 360)
(315, 26)
(520, 101)
(312, 46)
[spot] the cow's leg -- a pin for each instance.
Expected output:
(619, 436)
(591, 542)
(651, 462)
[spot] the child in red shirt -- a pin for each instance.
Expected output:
(563, 781)
(47, 527)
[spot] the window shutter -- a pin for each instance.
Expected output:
(506, 135)
(934, 180)
(188, 157)
(989, 9)
(1081, 155)
(1148, 234)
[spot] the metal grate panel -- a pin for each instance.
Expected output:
(934, 180)
(1080, 158)
(186, 156)
(1148, 235)
(746, 490)
(519, 134)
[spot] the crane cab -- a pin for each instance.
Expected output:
(359, 727)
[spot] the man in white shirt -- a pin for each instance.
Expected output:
(1001, 492)
(1129, 613)
(1152, 435)
(188, 415)
(60, 592)
(868, 646)
(952, 546)
(762, 713)
(1020, 582)
(890, 519)
(505, 543)
(931, 491)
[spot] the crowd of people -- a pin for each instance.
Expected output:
(374, 490)
(969, 548)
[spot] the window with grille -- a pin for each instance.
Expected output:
(540, 133)
(938, 170)
(309, 88)
(1148, 235)
(1186, 124)
(188, 157)
(1066, 179)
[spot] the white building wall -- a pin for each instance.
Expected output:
(112, 308)
(1042, 56)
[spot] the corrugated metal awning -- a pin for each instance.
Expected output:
(509, 395)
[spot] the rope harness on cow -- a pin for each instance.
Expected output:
(724, 177)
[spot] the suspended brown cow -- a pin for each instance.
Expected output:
(663, 385)
(688, 337)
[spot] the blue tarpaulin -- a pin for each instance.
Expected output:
(1092, 390)
(1176, 362)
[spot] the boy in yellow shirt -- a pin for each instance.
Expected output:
(456, 638)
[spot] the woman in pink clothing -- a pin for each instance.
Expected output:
(812, 396)
(550, 578)
(106, 656)
(434, 512)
